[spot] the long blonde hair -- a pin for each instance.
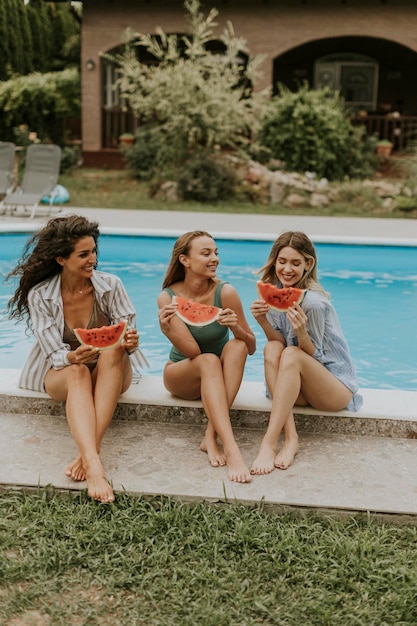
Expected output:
(176, 271)
(302, 244)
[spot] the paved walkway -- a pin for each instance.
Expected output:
(347, 462)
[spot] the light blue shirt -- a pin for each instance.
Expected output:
(325, 332)
(47, 317)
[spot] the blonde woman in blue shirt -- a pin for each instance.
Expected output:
(306, 358)
(60, 289)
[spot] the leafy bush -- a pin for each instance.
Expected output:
(310, 130)
(206, 180)
(154, 151)
(40, 102)
(70, 158)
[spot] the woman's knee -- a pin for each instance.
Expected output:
(290, 357)
(207, 362)
(78, 373)
(273, 351)
(235, 349)
(112, 358)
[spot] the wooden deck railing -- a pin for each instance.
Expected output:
(400, 129)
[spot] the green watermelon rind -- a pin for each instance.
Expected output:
(285, 308)
(196, 305)
(84, 335)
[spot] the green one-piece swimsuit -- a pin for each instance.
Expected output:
(211, 338)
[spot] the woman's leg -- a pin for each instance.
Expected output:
(74, 385)
(272, 356)
(203, 377)
(111, 377)
(301, 379)
(233, 361)
(90, 403)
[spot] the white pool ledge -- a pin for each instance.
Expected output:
(378, 403)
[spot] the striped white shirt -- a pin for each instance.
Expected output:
(47, 316)
(325, 332)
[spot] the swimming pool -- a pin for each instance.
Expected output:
(374, 289)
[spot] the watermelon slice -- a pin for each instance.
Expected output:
(280, 299)
(195, 313)
(105, 337)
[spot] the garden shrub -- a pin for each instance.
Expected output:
(154, 152)
(41, 102)
(70, 158)
(206, 180)
(311, 130)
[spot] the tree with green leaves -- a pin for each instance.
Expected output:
(40, 102)
(16, 45)
(25, 38)
(4, 42)
(191, 98)
(35, 36)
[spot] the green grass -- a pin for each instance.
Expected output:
(94, 188)
(66, 560)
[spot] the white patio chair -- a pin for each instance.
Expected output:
(39, 180)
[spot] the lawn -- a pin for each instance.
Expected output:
(66, 560)
(95, 188)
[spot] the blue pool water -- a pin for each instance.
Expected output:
(374, 289)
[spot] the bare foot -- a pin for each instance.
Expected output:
(75, 470)
(286, 455)
(264, 462)
(216, 457)
(238, 472)
(98, 487)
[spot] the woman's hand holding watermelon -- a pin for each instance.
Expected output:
(83, 354)
(228, 318)
(131, 340)
(297, 319)
(259, 309)
(165, 315)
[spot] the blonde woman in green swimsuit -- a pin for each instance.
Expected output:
(205, 362)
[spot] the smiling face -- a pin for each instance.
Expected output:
(290, 266)
(82, 260)
(202, 257)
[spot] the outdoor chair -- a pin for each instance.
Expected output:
(39, 181)
(7, 163)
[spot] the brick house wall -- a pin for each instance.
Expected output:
(272, 28)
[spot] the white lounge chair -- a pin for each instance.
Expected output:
(39, 180)
(7, 163)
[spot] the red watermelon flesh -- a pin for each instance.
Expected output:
(280, 299)
(195, 313)
(105, 337)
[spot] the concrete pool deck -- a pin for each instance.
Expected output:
(363, 462)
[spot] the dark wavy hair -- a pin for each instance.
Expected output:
(38, 261)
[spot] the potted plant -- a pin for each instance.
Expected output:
(126, 139)
(384, 148)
